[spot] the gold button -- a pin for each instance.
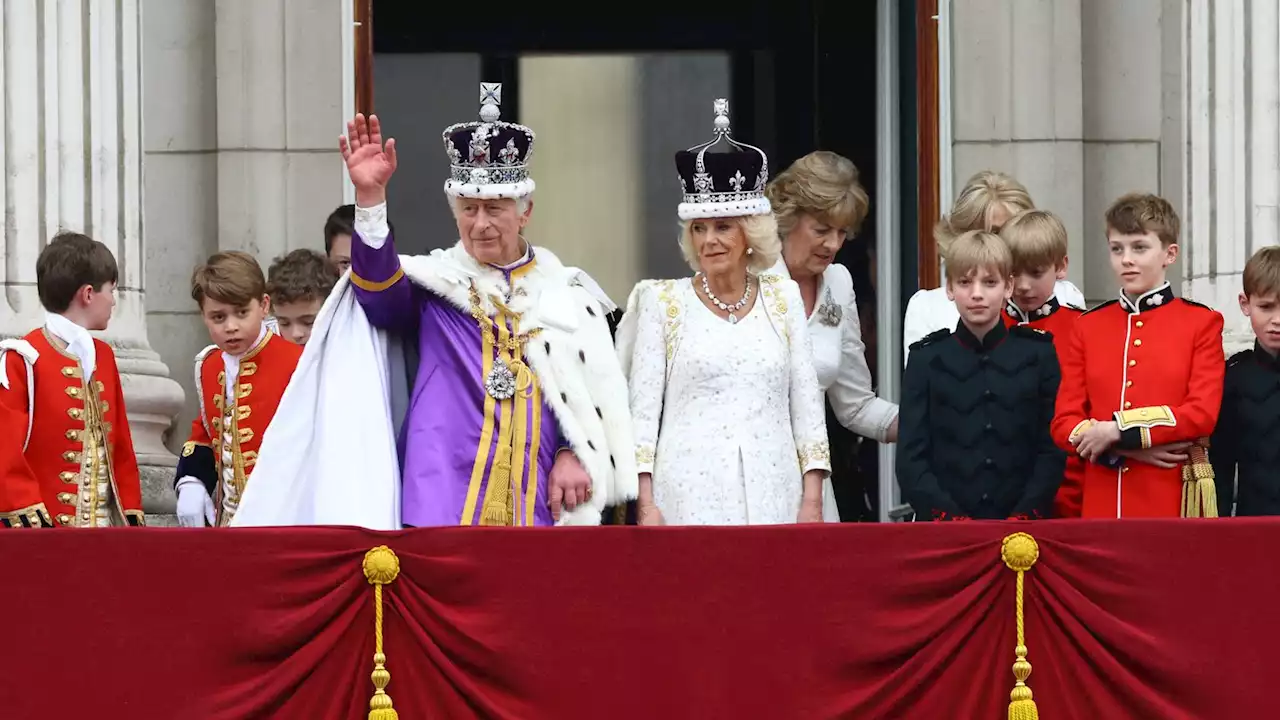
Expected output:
(64, 519)
(1142, 412)
(73, 392)
(1128, 383)
(73, 435)
(1132, 363)
(68, 477)
(1139, 323)
(1124, 469)
(66, 498)
(71, 457)
(75, 413)
(68, 372)
(1137, 343)
(1128, 405)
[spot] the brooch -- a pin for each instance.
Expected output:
(829, 313)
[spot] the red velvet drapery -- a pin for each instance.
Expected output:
(1128, 619)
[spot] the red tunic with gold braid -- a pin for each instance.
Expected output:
(224, 441)
(79, 468)
(1056, 319)
(1155, 366)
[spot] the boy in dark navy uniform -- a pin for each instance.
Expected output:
(976, 404)
(1245, 446)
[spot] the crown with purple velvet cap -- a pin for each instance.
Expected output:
(723, 184)
(488, 158)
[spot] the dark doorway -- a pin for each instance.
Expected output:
(800, 76)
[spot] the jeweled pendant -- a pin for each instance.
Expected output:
(733, 319)
(500, 383)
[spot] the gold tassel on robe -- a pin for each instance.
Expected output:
(381, 567)
(1020, 552)
(1199, 489)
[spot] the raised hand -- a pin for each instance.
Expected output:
(370, 164)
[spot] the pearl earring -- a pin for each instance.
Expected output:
(750, 251)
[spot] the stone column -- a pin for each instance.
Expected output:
(70, 148)
(1017, 104)
(1232, 189)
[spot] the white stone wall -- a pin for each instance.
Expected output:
(71, 153)
(1232, 154)
(1084, 100)
(244, 106)
(1078, 99)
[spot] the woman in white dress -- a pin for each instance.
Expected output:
(818, 203)
(728, 413)
(986, 202)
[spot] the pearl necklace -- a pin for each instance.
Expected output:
(731, 309)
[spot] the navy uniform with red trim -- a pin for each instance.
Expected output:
(1245, 447)
(974, 426)
(238, 399)
(1057, 319)
(66, 453)
(1154, 365)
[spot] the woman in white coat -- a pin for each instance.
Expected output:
(819, 203)
(726, 407)
(986, 202)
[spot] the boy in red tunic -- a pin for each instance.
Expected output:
(1037, 242)
(239, 380)
(66, 455)
(1139, 373)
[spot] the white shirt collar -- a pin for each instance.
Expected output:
(231, 363)
(79, 341)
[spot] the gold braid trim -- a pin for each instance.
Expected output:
(1020, 552)
(381, 567)
(1146, 417)
(1079, 429)
(1199, 488)
(371, 286)
(36, 516)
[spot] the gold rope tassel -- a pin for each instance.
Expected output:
(1199, 489)
(1020, 552)
(381, 567)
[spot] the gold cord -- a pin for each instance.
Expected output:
(1020, 552)
(381, 567)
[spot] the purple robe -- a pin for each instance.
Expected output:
(451, 432)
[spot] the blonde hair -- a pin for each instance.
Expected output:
(760, 231)
(978, 250)
(977, 202)
(1140, 213)
(1036, 238)
(1262, 273)
(823, 185)
(233, 277)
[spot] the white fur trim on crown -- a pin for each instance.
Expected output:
(734, 208)
(513, 191)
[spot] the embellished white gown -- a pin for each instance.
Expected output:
(728, 417)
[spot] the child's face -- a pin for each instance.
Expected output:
(1139, 260)
(340, 252)
(1032, 287)
(234, 328)
(980, 296)
(296, 318)
(97, 305)
(1263, 312)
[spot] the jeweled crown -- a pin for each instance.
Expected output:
(729, 183)
(489, 158)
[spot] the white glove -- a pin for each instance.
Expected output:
(195, 507)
